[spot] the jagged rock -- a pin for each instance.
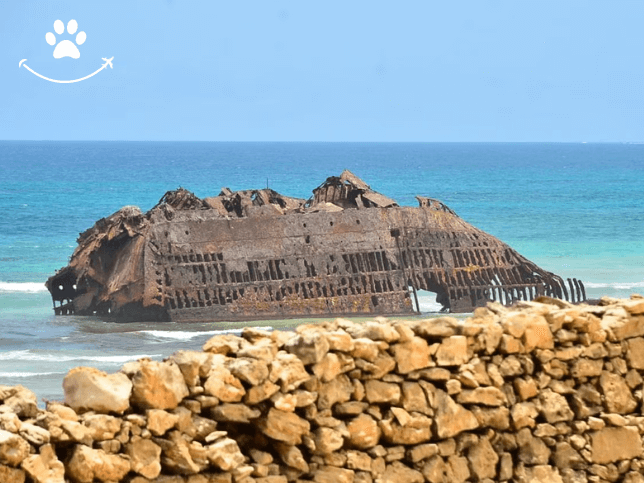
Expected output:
(310, 347)
(253, 371)
(532, 451)
(225, 344)
(287, 370)
(292, 456)
(382, 392)
(540, 474)
(327, 440)
(554, 407)
(617, 394)
(13, 449)
(331, 474)
(222, 384)
(44, 467)
(482, 459)
(613, 444)
(34, 434)
(176, 456)
(225, 454)
(159, 421)
(283, 426)
(364, 432)
(15, 475)
(156, 385)
(452, 418)
(452, 351)
(87, 464)
(193, 365)
(237, 413)
(397, 472)
(260, 393)
(102, 426)
(19, 400)
(10, 422)
(487, 396)
(88, 389)
(411, 355)
(145, 457)
(338, 390)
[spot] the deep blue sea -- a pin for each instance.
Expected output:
(574, 209)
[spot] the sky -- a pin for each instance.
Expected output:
(336, 71)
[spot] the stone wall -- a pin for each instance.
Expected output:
(540, 392)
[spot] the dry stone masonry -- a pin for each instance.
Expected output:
(543, 391)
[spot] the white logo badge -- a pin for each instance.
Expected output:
(67, 48)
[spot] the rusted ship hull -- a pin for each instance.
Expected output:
(340, 253)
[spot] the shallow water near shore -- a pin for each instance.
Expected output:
(574, 209)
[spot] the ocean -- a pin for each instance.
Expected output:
(574, 209)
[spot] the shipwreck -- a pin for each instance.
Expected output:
(256, 254)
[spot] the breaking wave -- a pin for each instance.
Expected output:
(27, 374)
(615, 285)
(30, 356)
(185, 335)
(25, 287)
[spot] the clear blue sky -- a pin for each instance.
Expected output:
(355, 70)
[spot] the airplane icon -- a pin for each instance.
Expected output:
(108, 62)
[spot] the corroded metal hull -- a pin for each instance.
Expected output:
(257, 255)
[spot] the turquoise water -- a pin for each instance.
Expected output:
(574, 209)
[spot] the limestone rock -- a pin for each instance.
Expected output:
(532, 451)
(613, 444)
(176, 456)
(310, 347)
(225, 454)
(102, 426)
(452, 351)
(193, 365)
(292, 456)
(224, 344)
(34, 434)
(253, 371)
(414, 430)
(157, 385)
(327, 440)
(397, 472)
(87, 464)
(364, 432)
(331, 474)
(288, 371)
(338, 390)
(542, 474)
(554, 407)
(411, 355)
(43, 468)
(15, 475)
(222, 384)
(13, 449)
(486, 396)
(88, 389)
(237, 413)
(283, 426)
(145, 457)
(617, 395)
(452, 418)
(19, 400)
(482, 459)
(159, 421)
(382, 392)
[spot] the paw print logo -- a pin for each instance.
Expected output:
(66, 48)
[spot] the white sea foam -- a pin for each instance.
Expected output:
(25, 287)
(185, 335)
(30, 356)
(615, 285)
(26, 374)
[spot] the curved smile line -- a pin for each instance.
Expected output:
(107, 62)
